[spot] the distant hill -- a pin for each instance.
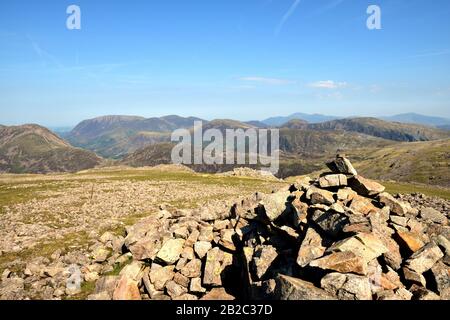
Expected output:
(445, 127)
(257, 124)
(223, 124)
(300, 150)
(35, 149)
(311, 118)
(115, 136)
(383, 129)
(152, 155)
(315, 143)
(419, 119)
(118, 136)
(295, 124)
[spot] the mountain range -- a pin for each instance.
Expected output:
(410, 118)
(139, 141)
(118, 136)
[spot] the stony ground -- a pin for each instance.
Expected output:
(338, 236)
(50, 221)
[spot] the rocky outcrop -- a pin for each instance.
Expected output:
(338, 237)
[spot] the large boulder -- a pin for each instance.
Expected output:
(320, 196)
(216, 262)
(289, 288)
(344, 262)
(126, 289)
(263, 258)
(170, 251)
(433, 215)
(347, 286)
(424, 259)
(365, 187)
(366, 245)
(273, 205)
(333, 180)
(342, 165)
(311, 248)
(398, 207)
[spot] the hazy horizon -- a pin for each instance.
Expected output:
(244, 60)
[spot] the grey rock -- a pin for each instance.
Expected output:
(347, 286)
(311, 248)
(289, 288)
(263, 258)
(333, 180)
(201, 248)
(433, 215)
(342, 165)
(424, 259)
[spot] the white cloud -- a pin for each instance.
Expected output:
(287, 16)
(264, 80)
(328, 84)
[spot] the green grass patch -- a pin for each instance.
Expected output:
(406, 188)
(87, 288)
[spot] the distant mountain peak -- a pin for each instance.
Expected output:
(311, 118)
(416, 118)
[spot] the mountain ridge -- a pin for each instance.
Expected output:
(35, 149)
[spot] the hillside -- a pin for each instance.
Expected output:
(35, 149)
(301, 150)
(423, 162)
(383, 129)
(295, 124)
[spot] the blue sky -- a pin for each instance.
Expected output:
(222, 59)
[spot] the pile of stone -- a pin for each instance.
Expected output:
(340, 236)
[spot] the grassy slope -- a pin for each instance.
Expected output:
(31, 148)
(421, 162)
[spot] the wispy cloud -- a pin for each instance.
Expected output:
(45, 57)
(431, 54)
(286, 16)
(264, 80)
(328, 84)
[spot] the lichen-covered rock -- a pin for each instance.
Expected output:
(333, 180)
(365, 187)
(201, 248)
(347, 286)
(262, 260)
(289, 288)
(126, 289)
(424, 259)
(170, 251)
(216, 262)
(366, 245)
(398, 207)
(344, 262)
(311, 248)
(342, 165)
(433, 215)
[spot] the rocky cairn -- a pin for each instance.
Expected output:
(340, 236)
